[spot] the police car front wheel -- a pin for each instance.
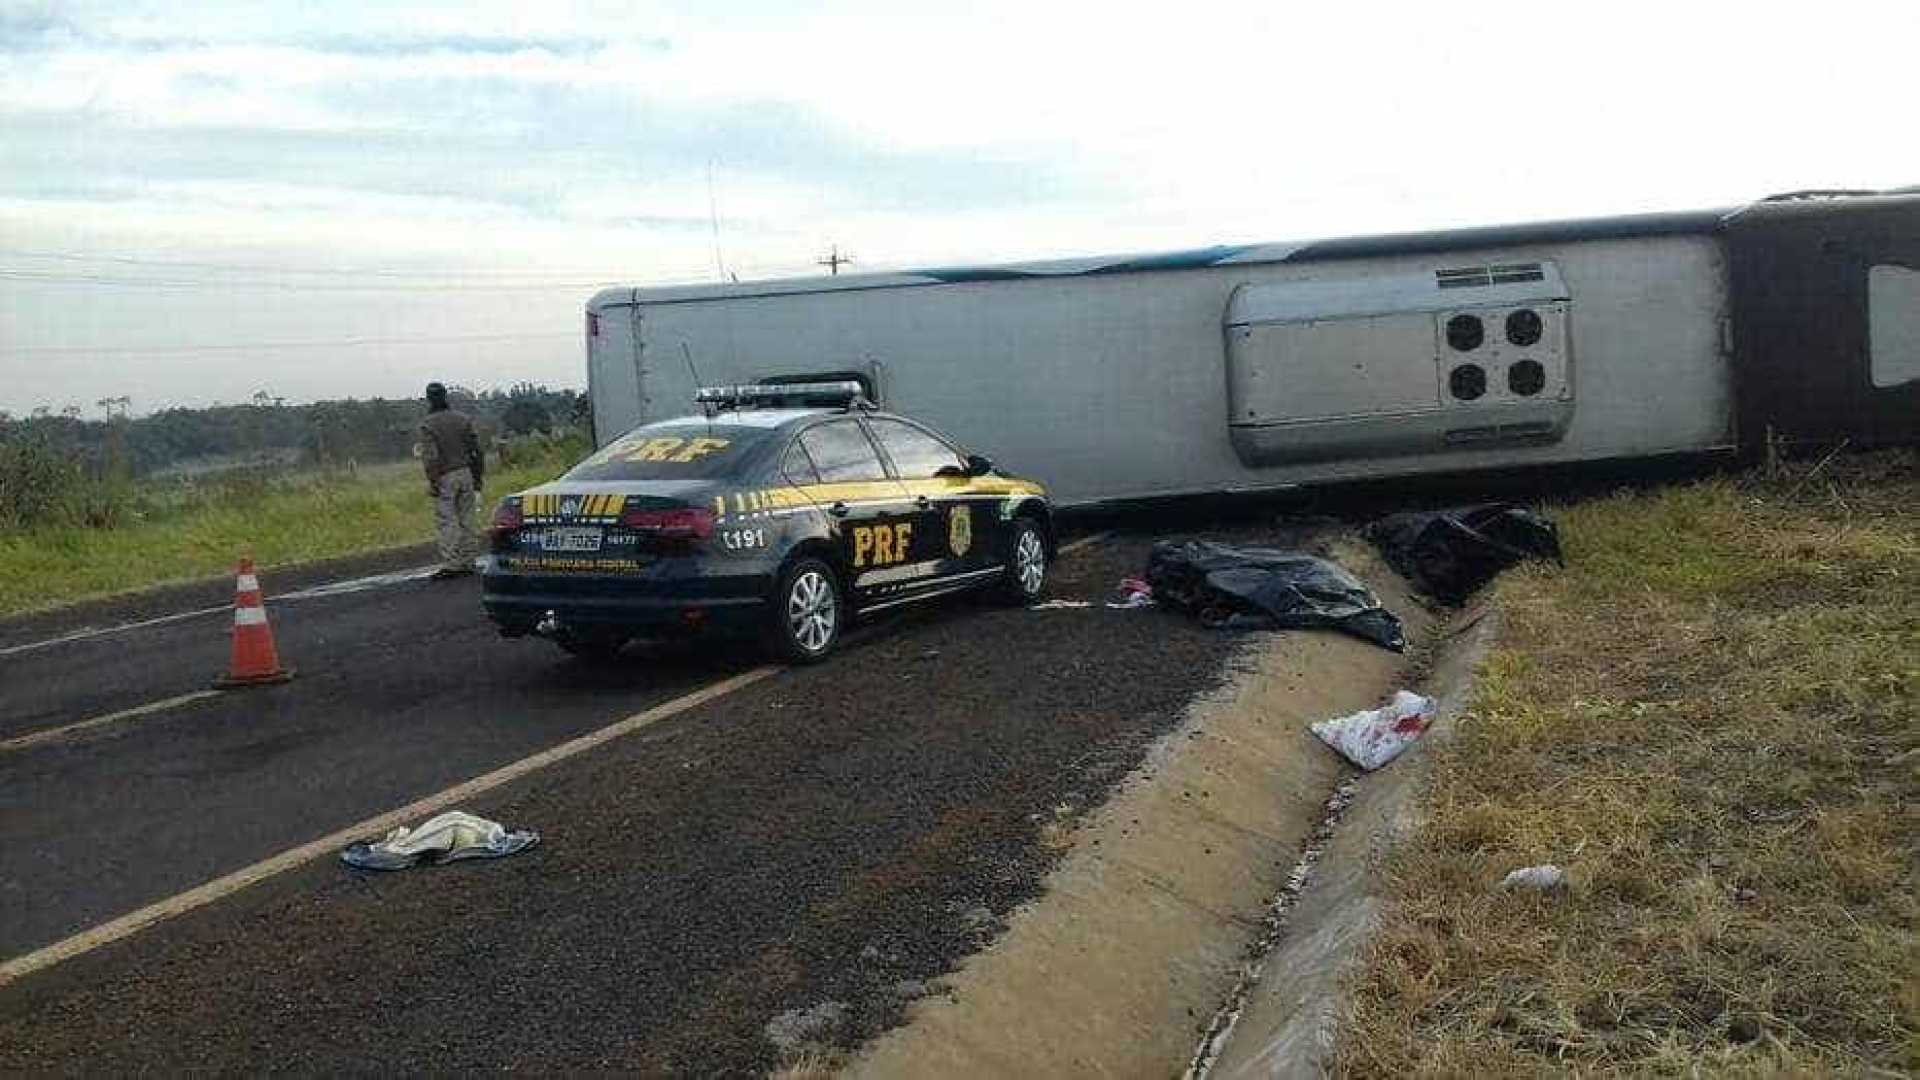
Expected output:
(1026, 576)
(805, 616)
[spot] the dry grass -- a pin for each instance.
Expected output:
(1711, 718)
(810, 1063)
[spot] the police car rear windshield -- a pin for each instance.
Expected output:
(686, 449)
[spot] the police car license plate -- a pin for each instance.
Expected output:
(570, 539)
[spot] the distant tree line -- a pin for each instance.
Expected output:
(267, 430)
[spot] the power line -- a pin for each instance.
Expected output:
(51, 278)
(101, 350)
(390, 280)
(338, 271)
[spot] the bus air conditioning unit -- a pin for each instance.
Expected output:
(1462, 358)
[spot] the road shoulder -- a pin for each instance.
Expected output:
(169, 598)
(1143, 928)
(1286, 1023)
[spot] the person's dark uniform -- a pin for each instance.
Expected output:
(450, 451)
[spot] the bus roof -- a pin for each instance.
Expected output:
(1680, 223)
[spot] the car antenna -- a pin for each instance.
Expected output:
(706, 407)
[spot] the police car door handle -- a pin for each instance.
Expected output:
(838, 509)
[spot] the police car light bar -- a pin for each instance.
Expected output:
(845, 392)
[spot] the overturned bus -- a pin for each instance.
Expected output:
(1243, 368)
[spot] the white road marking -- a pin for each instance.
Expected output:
(361, 584)
(100, 631)
(333, 588)
(132, 923)
(21, 742)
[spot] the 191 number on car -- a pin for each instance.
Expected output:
(743, 539)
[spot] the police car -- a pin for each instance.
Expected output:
(780, 512)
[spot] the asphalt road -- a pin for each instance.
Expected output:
(400, 692)
(833, 836)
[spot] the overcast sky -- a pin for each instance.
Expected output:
(203, 200)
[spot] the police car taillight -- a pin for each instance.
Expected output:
(682, 523)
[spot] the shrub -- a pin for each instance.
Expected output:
(37, 484)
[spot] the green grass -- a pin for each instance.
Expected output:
(1711, 718)
(183, 531)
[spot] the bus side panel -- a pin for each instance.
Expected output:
(1115, 386)
(1100, 387)
(1647, 368)
(1649, 348)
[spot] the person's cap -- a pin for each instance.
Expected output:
(435, 389)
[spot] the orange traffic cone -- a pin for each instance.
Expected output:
(255, 662)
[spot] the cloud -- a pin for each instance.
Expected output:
(411, 46)
(150, 27)
(493, 142)
(602, 136)
(25, 30)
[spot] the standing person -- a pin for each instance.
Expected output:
(450, 451)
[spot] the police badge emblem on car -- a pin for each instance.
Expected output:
(960, 530)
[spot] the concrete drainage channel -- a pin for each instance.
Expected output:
(1227, 1020)
(1286, 1023)
(1203, 918)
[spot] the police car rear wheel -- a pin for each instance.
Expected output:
(1026, 576)
(806, 612)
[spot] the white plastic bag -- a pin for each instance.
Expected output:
(1373, 737)
(1543, 878)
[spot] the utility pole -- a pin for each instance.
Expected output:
(832, 262)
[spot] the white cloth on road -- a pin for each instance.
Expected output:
(445, 838)
(1060, 605)
(453, 519)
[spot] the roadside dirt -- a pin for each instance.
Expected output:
(1143, 928)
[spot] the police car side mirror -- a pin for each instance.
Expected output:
(978, 466)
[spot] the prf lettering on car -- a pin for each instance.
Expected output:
(672, 450)
(881, 545)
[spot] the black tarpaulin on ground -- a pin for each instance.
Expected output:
(1449, 553)
(1264, 587)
